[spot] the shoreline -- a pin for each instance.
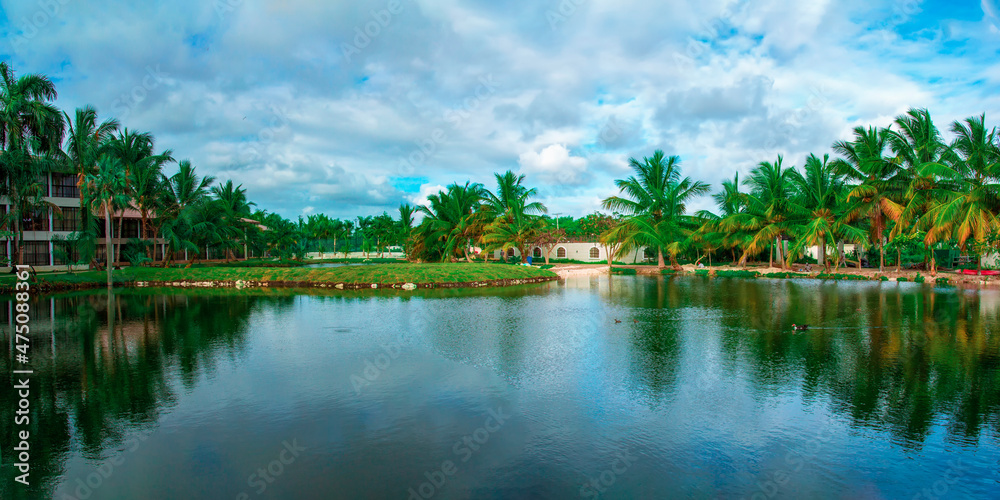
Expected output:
(796, 272)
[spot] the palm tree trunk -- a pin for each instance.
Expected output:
(821, 254)
(108, 246)
(118, 249)
(770, 256)
(899, 258)
(881, 256)
(659, 258)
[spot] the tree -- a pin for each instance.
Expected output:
(106, 193)
(880, 183)
(31, 131)
(971, 211)
(451, 222)
(234, 209)
(83, 147)
(654, 201)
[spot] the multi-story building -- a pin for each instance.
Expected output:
(61, 191)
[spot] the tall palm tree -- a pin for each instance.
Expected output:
(180, 193)
(234, 206)
(654, 202)
(143, 170)
(452, 221)
(31, 132)
(821, 191)
(105, 192)
(768, 209)
(921, 152)
(881, 182)
(971, 211)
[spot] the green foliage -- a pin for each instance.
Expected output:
(784, 275)
(735, 273)
(901, 279)
(840, 276)
(919, 279)
(624, 271)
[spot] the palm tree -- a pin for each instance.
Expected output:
(730, 202)
(143, 170)
(769, 208)
(881, 182)
(821, 191)
(971, 211)
(451, 221)
(234, 209)
(31, 131)
(83, 141)
(175, 220)
(105, 192)
(406, 212)
(921, 151)
(654, 204)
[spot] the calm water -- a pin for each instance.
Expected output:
(700, 391)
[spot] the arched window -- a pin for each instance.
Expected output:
(595, 253)
(537, 253)
(561, 253)
(510, 252)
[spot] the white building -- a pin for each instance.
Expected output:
(578, 251)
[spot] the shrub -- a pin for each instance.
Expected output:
(919, 279)
(624, 271)
(785, 274)
(838, 276)
(735, 273)
(884, 278)
(901, 279)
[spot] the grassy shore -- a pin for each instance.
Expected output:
(422, 275)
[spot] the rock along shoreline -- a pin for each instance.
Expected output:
(51, 287)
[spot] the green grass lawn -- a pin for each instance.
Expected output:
(389, 273)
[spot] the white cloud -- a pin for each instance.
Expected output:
(722, 83)
(554, 165)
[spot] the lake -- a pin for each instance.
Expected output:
(620, 387)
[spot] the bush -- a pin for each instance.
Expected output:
(701, 272)
(919, 279)
(942, 281)
(884, 278)
(624, 271)
(838, 276)
(736, 274)
(901, 279)
(785, 275)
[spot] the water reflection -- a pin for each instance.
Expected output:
(703, 377)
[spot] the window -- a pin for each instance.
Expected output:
(69, 220)
(510, 252)
(3, 212)
(595, 253)
(36, 221)
(3, 253)
(36, 253)
(561, 253)
(537, 253)
(64, 186)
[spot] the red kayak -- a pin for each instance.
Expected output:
(985, 272)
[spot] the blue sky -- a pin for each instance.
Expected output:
(350, 108)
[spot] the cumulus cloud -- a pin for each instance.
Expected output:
(326, 105)
(555, 165)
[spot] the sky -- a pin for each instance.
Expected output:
(352, 107)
